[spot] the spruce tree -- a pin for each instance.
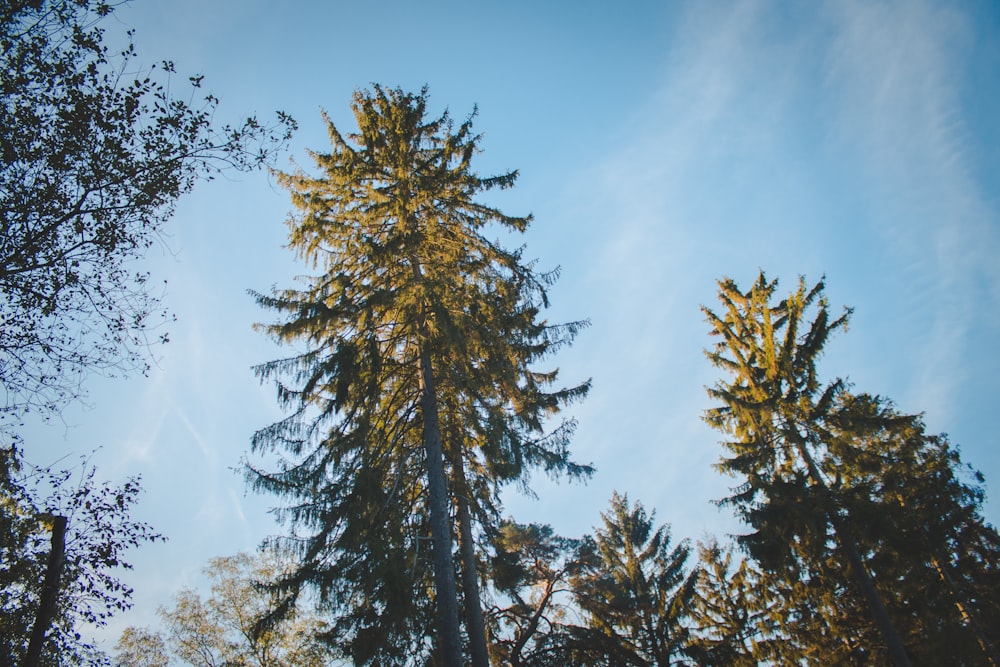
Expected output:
(775, 406)
(733, 613)
(415, 394)
(923, 530)
(634, 589)
(834, 483)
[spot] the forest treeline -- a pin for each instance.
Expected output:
(421, 386)
(417, 397)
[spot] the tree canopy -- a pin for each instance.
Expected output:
(220, 630)
(417, 391)
(635, 590)
(870, 527)
(96, 150)
(414, 399)
(99, 530)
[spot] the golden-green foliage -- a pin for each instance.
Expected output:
(835, 485)
(222, 629)
(409, 294)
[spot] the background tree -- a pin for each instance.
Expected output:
(220, 630)
(634, 591)
(415, 395)
(923, 529)
(733, 613)
(775, 406)
(828, 481)
(99, 531)
(138, 647)
(94, 157)
(95, 152)
(530, 577)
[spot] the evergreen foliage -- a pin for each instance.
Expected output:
(734, 616)
(869, 528)
(415, 392)
(634, 590)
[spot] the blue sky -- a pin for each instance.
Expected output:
(661, 146)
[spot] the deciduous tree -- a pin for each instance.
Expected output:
(138, 647)
(99, 530)
(220, 630)
(530, 579)
(95, 149)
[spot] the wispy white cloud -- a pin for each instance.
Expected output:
(212, 511)
(237, 506)
(664, 218)
(827, 139)
(207, 449)
(896, 71)
(140, 445)
(794, 137)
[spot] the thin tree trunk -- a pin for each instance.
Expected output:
(449, 630)
(897, 653)
(522, 637)
(862, 578)
(961, 601)
(450, 642)
(474, 624)
(966, 612)
(50, 593)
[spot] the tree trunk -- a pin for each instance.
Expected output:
(474, 624)
(965, 611)
(893, 642)
(450, 638)
(450, 642)
(863, 580)
(50, 593)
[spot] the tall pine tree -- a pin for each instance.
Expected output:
(415, 394)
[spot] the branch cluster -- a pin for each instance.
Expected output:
(95, 152)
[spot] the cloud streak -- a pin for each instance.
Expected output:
(896, 69)
(801, 142)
